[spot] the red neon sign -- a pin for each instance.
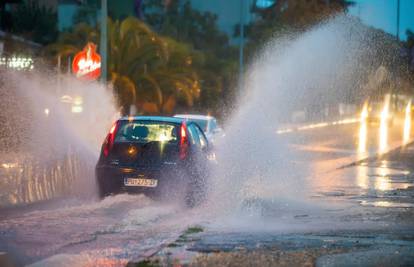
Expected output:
(87, 63)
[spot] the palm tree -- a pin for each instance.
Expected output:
(147, 70)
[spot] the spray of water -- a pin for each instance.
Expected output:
(407, 124)
(363, 130)
(384, 120)
(58, 126)
(296, 73)
(51, 136)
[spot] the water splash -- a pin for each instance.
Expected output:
(384, 123)
(407, 124)
(304, 72)
(363, 130)
(51, 135)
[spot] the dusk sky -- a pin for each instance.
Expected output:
(382, 14)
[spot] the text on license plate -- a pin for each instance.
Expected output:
(140, 182)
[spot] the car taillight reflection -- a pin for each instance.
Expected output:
(183, 142)
(109, 141)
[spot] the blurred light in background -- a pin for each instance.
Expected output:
(363, 130)
(9, 165)
(66, 99)
(17, 63)
(407, 124)
(384, 123)
(77, 109)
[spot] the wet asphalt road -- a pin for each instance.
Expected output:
(369, 202)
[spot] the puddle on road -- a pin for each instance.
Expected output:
(369, 185)
(386, 204)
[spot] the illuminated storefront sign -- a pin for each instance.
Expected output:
(17, 63)
(87, 63)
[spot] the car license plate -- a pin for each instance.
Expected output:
(140, 182)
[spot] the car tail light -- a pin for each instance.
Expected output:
(109, 141)
(183, 142)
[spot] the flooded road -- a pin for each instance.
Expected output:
(375, 194)
(117, 229)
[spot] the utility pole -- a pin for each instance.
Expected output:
(241, 55)
(398, 20)
(398, 39)
(104, 42)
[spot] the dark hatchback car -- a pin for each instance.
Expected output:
(160, 156)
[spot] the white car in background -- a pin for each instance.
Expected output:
(207, 123)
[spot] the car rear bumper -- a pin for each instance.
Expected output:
(111, 179)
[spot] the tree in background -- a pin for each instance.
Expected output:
(301, 14)
(408, 55)
(87, 13)
(216, 62)
(147, 70)
(288, 16)
(409, 46)
(34, 22)
(157, 66)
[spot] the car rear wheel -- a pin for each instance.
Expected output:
(103, 190)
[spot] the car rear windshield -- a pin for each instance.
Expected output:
(147, 131)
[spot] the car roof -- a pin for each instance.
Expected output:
(194, 117)
(153, 118)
